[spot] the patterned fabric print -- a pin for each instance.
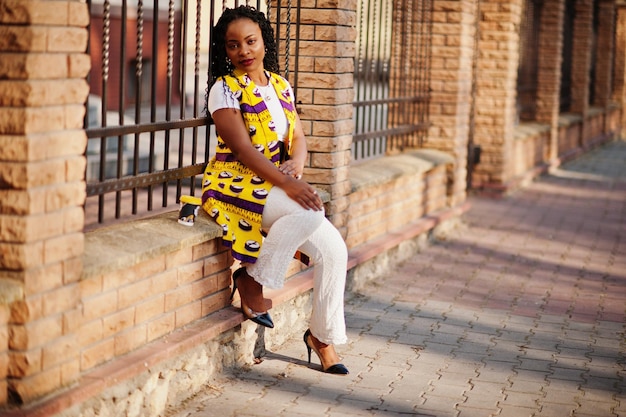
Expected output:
(232, 194)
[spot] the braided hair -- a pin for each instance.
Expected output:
(219, 63)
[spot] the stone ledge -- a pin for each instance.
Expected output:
(568, 119)
(121, 246)
(125, 245)
(526, 130)
(382, 170)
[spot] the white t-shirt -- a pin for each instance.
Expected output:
(220, 98)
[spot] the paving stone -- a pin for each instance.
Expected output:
(484, 395)
(469, 411)
(494, 372)
(531, 364)
(449, 387)
(517, 411)
(556, 410)
(525, 386)
(439, 406)
(560, 397)
(596, 408)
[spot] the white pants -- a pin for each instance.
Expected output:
(291, 228)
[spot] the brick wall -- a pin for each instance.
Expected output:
(451, 85)
(604, 61)
(495, 109)
(126, 308)
(387, 194)
(619, 84)
(5, 315)
(324, 89)
(530, 147)
(581, 59)
(43, 66)
(548, 80)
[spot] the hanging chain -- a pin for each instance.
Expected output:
(139, 53)
(288, 39)
(106, 39)
(170, 39)
(196, 67)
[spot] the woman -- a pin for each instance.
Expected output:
(253, 186)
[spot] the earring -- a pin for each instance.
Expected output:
(229, 64)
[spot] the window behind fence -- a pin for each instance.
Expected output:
(148, 134)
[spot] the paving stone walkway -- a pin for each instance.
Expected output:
(520, 312)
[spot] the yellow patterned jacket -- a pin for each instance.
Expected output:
(232, 194)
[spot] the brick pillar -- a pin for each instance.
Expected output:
(604, 61)
(325, 94)
(43, 67)
(619, 84)
(581, 59)
(451, 85)
(496, 78)
(549, 69)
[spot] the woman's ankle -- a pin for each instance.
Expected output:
(252, 292)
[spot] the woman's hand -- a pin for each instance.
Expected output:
(292, 168)
(303, 193)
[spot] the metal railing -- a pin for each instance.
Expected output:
(148, 134)
(392, 76)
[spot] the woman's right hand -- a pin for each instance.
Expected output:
(234, 133)
(303, 193)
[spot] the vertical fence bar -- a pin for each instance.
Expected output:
(168, 94)
(371, 73)
(183, 93)
(153, 93)
(288, 39)
(388, 18)
(297, 57)
(277, 34)
(121, 105)
(399, 29)
(196, 88)
(106, 39)
(138, 96)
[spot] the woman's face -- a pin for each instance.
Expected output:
(244, 45)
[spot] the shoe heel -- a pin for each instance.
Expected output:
(264, 319)
(235, 276)
(308, 348)
(232, 294)
(337, 369)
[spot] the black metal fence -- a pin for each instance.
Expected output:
(392, 76)
(148, 133)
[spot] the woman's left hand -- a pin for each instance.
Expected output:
(292, 168)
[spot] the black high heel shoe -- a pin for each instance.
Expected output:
(338, 368)
(263, 319)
